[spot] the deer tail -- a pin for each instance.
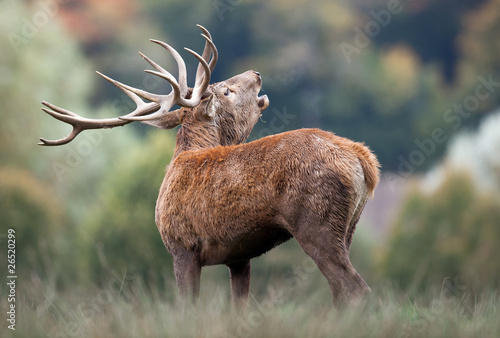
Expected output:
(370, 166)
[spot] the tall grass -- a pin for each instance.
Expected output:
(126, 307)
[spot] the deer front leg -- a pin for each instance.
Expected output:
(187, 269)
(240, 282)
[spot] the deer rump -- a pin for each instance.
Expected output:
(234, 203)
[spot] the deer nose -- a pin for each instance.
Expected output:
(257, 73)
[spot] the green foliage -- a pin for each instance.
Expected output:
(120, 234)
(45, 66)
(449, 233)
(42, 229)
(480, 46)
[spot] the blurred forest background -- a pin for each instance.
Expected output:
(417, 81)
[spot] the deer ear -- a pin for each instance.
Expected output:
(168, 121)
(207, 107)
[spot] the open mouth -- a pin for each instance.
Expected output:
(263, 102)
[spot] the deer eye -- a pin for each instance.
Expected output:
(227, 92)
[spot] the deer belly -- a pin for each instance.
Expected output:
(244, 246)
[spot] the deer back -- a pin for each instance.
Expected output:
(223, 193)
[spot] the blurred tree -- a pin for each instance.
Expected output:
(38, 62)
(431, 28)
(120, 233)
(42, 228)
(96, 23)
(46, 190)
(449, 226)
(450, 233)
(386, 96)
(42, 65)
(49, 65)
(480, 47)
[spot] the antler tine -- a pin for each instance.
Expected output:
(215, 56)
(166, 101)
(142, 107)
(180, 64)
(176, 97)
(160, 103)
(129, 90)
(199, 88)
(78, 123)
(60, 110)
(207, 52)
(61, 141)
(179, 90)
(207, 33)
(214, 51)
(62, 115)
(163, 74)
(154, 64)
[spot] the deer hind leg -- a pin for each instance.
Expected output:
(187, 270)
(240, 282)
(330, 254)
(354, 221)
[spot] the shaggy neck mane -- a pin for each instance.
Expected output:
(194, 136)
(224, 131)
(230, 132)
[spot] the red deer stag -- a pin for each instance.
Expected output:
(224, 201)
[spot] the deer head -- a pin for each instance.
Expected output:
(223, 113)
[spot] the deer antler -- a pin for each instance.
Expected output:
(157, 106)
